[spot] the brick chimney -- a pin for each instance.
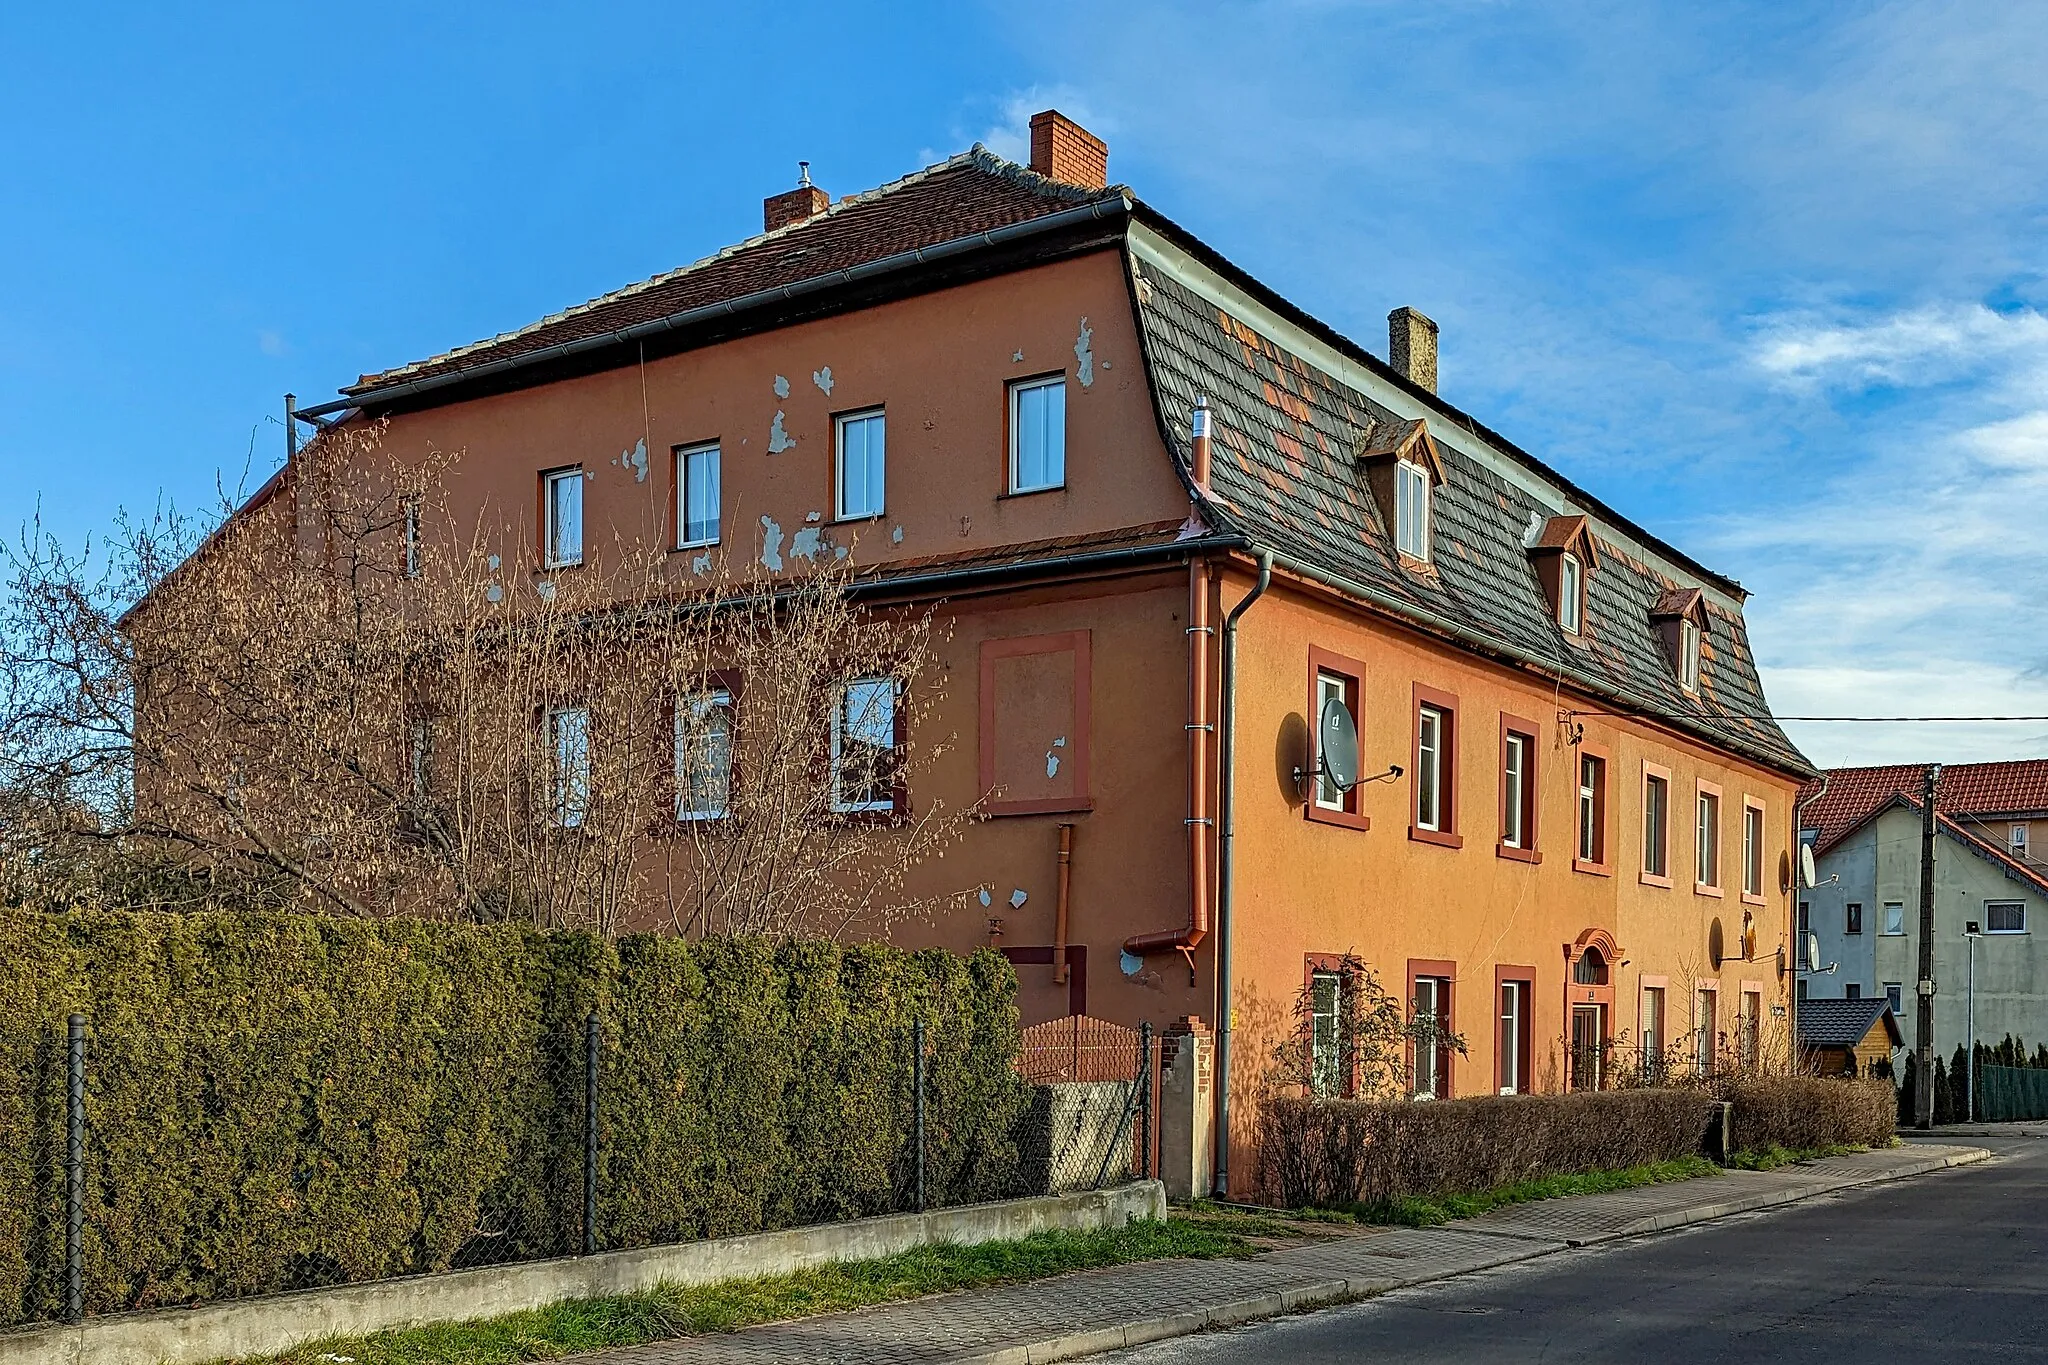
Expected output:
(1411, 347)
(1063, 150)
(794, 206)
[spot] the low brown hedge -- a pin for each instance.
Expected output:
(1804, 1112)
(1332, 1153)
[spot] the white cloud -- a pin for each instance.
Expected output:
(1922, 346)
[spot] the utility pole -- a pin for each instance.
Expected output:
(1923, 1042)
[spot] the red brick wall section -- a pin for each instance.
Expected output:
(1063, 150)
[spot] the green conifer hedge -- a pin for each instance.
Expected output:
(278, 1101)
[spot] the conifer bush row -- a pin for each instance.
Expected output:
(279, 1101)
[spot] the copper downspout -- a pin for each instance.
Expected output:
(1200, 823)
(1059, 920)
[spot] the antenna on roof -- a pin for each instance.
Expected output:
(803, 174)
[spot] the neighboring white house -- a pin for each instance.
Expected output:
(1865, 828)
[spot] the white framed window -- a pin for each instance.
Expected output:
(569, 766)
(2005, 917)
(1895, 993)
(1571, 593)
(1326, 1043)
(1038, 434)
(703, 740)
(2016, 839)
(1514, 1028)
(859, 449)
(697, 496)
(562, 509)
(1411, 510)
(1895, 917)
(1329, 686)
(1689, 655)
(1653, 1040)
(414, 552)
(1514, 791)
(1431, 1020)
(864, 745)
(1752, 850)
(1429, 768)
(1703, 1031)
(1656, 825)
(420, 758)
(1592, 809)
(1707, 840)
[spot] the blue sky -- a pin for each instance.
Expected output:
(1769, 278)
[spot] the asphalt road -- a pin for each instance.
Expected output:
(1945, 1267)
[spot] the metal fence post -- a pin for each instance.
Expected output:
(590, 1043)
(1145, 1100)
(74, 1173)
(917, 1102)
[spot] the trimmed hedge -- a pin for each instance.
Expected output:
(1800, 1113)
(276, 1101)
(1335, 1153)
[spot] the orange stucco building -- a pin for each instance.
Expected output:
(983, 382)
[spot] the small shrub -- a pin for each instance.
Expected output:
(1335, 1153)
(1802, 1113)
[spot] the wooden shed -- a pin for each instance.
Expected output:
(1848, 1037)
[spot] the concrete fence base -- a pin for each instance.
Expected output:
(188, 1336)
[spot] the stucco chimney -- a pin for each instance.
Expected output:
(1411, 347)
(794, 206)
(1062, 149)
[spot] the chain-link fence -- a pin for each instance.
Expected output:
(172, 1168)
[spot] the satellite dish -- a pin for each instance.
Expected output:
(1807, 875)
(1716, 950)
(1813, 952)
(1338, 744)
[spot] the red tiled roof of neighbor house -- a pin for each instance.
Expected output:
(974, 192)
(1843, 798)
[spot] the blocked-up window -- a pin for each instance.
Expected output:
(1034, 723)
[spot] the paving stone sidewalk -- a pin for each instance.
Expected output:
(1100, 1310)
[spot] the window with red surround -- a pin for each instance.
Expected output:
(1334, 676)
(1514, 989)
(1432, 1023)
(1433, 780)
(1589, 767)
(1518, 788)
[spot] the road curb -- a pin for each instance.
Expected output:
(1232, 1313)
(1705, 1213)
(1330, 1293)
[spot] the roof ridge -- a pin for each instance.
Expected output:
(977, 156)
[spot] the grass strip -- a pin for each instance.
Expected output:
(659, 1315)
(1422, 1212)
(1772, 1157)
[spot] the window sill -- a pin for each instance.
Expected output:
(545, 567)
(857, 518)
(1007, 495)
(1702, 889)
(1323, 815)
(880, 815)
(693, 545)
(1751, 898)
(1518, 855)
(1592, 869)
(1652, 879)
(1047, 805)
(1998, 933)
(1435, 836)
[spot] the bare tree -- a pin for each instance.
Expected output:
(345, 697)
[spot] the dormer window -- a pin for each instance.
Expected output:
(1680, 617)
(1411, 510)
(1564, 553)
(1402, 468)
